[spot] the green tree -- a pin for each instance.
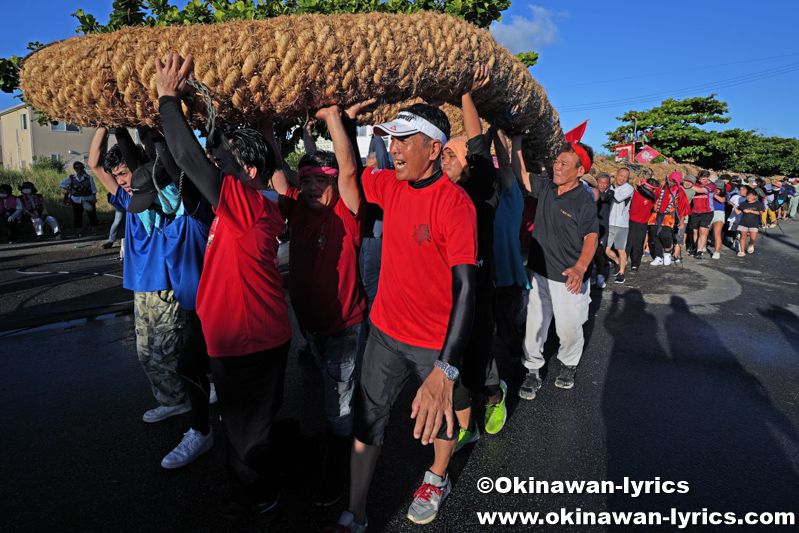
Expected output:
(676, 134)
(675, 127)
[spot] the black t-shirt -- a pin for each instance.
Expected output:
(604, 204)
(480, 188)
(748, 220)
(561, 224)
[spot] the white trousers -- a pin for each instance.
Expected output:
(551, 299)
(38, 225)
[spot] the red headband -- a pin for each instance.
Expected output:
(330, 171)
(583, 155)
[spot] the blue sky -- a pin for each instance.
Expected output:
(593, 53)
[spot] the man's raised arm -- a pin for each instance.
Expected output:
(348, 187)
(96, 156)
(171, 84)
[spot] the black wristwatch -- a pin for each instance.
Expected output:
(450, 371)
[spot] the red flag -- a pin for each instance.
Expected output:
(646, 155)
(577, 133)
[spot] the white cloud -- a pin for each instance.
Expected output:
(524, 34)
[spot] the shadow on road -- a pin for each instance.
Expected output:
(787, 321)
(686, 410)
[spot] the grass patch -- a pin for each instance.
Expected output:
(47, 181)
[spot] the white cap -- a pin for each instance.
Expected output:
(407, 123)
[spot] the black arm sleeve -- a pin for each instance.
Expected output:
(646, 192)
(481, 167)
(130, 152)
(187, 152)
(190, 194)
(462, 314)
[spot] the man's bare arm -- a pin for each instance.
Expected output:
(96, 156)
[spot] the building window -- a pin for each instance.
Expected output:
(63, 126)
(24, 121)
(55, 157)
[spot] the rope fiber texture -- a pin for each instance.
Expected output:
(286, 67)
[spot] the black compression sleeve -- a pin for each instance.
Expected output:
(187, 151)
(462, 314)
(190, 194)
(130, 152)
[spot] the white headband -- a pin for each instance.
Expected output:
(407, 123)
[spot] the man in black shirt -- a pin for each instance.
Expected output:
(603, 203)
(564, 241)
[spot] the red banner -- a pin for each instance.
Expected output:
(647, 155)
(577, 133)
(624, 153)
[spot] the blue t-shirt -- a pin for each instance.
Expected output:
(507, 247)
(186, 239)
(721, 191)
(145, 265)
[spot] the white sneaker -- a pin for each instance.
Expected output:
(193, 445)
(600, 281)
(163, 412)
(212, 399)
(716, 255)
(666, 259)
(657, 261)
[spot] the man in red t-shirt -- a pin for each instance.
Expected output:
(240, 300)
(702, 212)
(640, 211)
(325, 216)
(424, 308)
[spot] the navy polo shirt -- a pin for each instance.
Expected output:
(561, 223)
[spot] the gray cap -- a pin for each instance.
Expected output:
(691, 178)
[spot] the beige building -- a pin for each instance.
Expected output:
(21, 138)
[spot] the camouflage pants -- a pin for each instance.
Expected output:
(161, 329)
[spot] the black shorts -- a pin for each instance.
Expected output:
(387, 365)
(700, 220)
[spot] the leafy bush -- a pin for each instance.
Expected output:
(42, 162)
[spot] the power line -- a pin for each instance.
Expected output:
(712, 86)
(667, 73)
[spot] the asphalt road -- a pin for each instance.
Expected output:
(690, 374)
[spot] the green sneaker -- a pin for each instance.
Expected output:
(467, 437)
(496, 413)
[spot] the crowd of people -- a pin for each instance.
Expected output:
(700, 214)
(398, 269)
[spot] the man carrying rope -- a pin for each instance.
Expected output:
(240, 299)
(429, 246)
(564, 241)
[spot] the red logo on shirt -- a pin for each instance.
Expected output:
(211, 233)
(421, 233)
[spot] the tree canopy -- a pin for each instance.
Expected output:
(676, 133)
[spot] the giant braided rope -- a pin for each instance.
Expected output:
(286, 67)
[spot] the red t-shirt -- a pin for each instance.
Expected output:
(640, 208)
(324, 282)
(240, 300)
(426, 232)
(703, 203)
